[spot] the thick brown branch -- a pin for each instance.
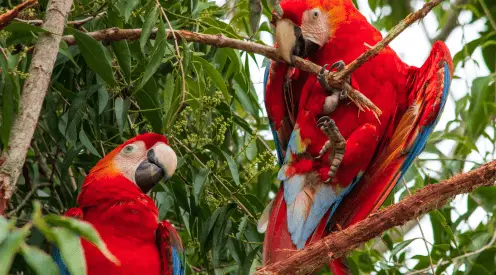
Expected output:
(34, 91)
(426, 199)
(7, 17)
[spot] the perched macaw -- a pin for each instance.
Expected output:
(113, 199)
(339, 164)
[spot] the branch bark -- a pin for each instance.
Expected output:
(34, 91)
(7, 17)
(426, 199)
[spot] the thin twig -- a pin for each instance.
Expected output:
(489, 245)
(421, 232)
(75, 23)
(27, 198)
(488, 14)
(337, 244)
(179, 60)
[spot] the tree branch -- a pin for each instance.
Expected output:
(34, 91)
(426, 199)
(75, 23)
(7, 17)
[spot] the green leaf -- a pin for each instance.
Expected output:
(4, 228)
(214, 75)
(121, 50)
(125, 7)
(400, 246)
(168, 92)
(206, 234)
(103, 98)
(87, 143)
(83, 229)
(9, 247)
(230, 161)
(71, 250)
(39, 260)
(21, 27)
(64, 50)
(199, 183)
(9, 108)
(151, 18)
(147, 99)
(121, 110)
(93, 53)
(156, 57)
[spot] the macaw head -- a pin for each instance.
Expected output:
(304, 26)
(143, 160)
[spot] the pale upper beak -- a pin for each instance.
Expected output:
(160, 162)
(290, 41)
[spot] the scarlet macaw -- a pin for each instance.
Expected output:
(113, 199)
(378, 151)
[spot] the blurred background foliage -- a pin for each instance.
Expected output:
(206, 101)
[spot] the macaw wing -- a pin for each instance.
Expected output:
(281, 102)
(73, 213)
(171, 249)
(429, 87)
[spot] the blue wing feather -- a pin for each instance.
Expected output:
(280, 156)
(421, 140)
(58, 260)
(177, 267)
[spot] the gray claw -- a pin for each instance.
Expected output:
(338, 65)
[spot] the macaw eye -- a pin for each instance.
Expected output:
(315, 14)
(129, 149)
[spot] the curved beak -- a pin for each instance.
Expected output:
(160, 162)
(290, 41)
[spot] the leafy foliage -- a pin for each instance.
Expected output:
(204, 99)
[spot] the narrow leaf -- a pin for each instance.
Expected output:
(84, 230)
(94, 54)
(151, 18)
(214, 75)
(87, 143)
(39, 260)
(71, 250)
(9, 247)
(121, 50)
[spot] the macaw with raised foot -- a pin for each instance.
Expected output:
(339, 164)
(113, 199)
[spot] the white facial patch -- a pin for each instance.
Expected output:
(315, 27)
(130, 157)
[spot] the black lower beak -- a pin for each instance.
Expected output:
(149, 173)
(303, 47)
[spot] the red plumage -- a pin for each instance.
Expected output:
(125, 217)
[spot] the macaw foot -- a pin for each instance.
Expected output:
(336, 142)
(332, 101)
